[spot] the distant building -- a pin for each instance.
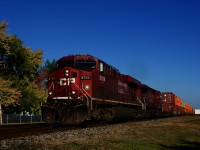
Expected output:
(197, 111)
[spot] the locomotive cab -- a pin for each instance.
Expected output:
(69, 91)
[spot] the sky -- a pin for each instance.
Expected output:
(154, 41)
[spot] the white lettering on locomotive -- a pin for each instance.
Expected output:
(65, 81)
(72, 80)
(85, 77)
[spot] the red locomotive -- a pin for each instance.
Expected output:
(86, 88)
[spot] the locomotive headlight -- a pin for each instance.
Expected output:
(73, 92)
(50, 93)
(67, 73)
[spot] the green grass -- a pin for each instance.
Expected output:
(178, 133)
(129, 144)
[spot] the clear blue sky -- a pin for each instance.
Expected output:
(155, 41)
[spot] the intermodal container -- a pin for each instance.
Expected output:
(168, 102)
(178, 101)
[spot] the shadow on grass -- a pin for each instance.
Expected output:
(184, 145)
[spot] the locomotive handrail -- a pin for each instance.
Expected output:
(143, 104)
(88, 96)
(89, 103)
(52, 84)
(81, 90)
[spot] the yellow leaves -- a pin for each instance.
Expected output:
(34, 58)
(38, 57)
(8, 95)
(4, 38)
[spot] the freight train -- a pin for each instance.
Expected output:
(85, 88)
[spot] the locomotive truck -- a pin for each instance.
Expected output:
(85, 88)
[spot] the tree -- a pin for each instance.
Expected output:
(42, 77)
(16, 59)
(32, 98)
(8, 95)
(20, 65)
(50, 65)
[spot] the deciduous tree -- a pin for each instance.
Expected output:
(19, 64)
(8, 95)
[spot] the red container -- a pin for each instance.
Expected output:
(168, 102)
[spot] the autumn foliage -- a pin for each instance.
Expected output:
(19, 67)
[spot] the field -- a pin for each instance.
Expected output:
(172, 133)
(169, 133)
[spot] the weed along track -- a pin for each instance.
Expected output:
(167, 133)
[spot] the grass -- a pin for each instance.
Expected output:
(171, 134)
(175, 133)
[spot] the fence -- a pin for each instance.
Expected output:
(18, 118)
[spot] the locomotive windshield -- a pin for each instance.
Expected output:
(68, 63)
(85, 64)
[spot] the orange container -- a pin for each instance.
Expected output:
(178, 101)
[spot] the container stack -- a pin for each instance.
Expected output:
(178, 105)
(172, 104)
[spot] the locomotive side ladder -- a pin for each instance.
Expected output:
(143, 103)
(89, 100)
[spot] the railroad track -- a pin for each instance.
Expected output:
(12, 131)
(22, 130)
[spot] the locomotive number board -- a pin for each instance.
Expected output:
(85, 77)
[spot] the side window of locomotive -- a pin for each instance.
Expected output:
(101, 67)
